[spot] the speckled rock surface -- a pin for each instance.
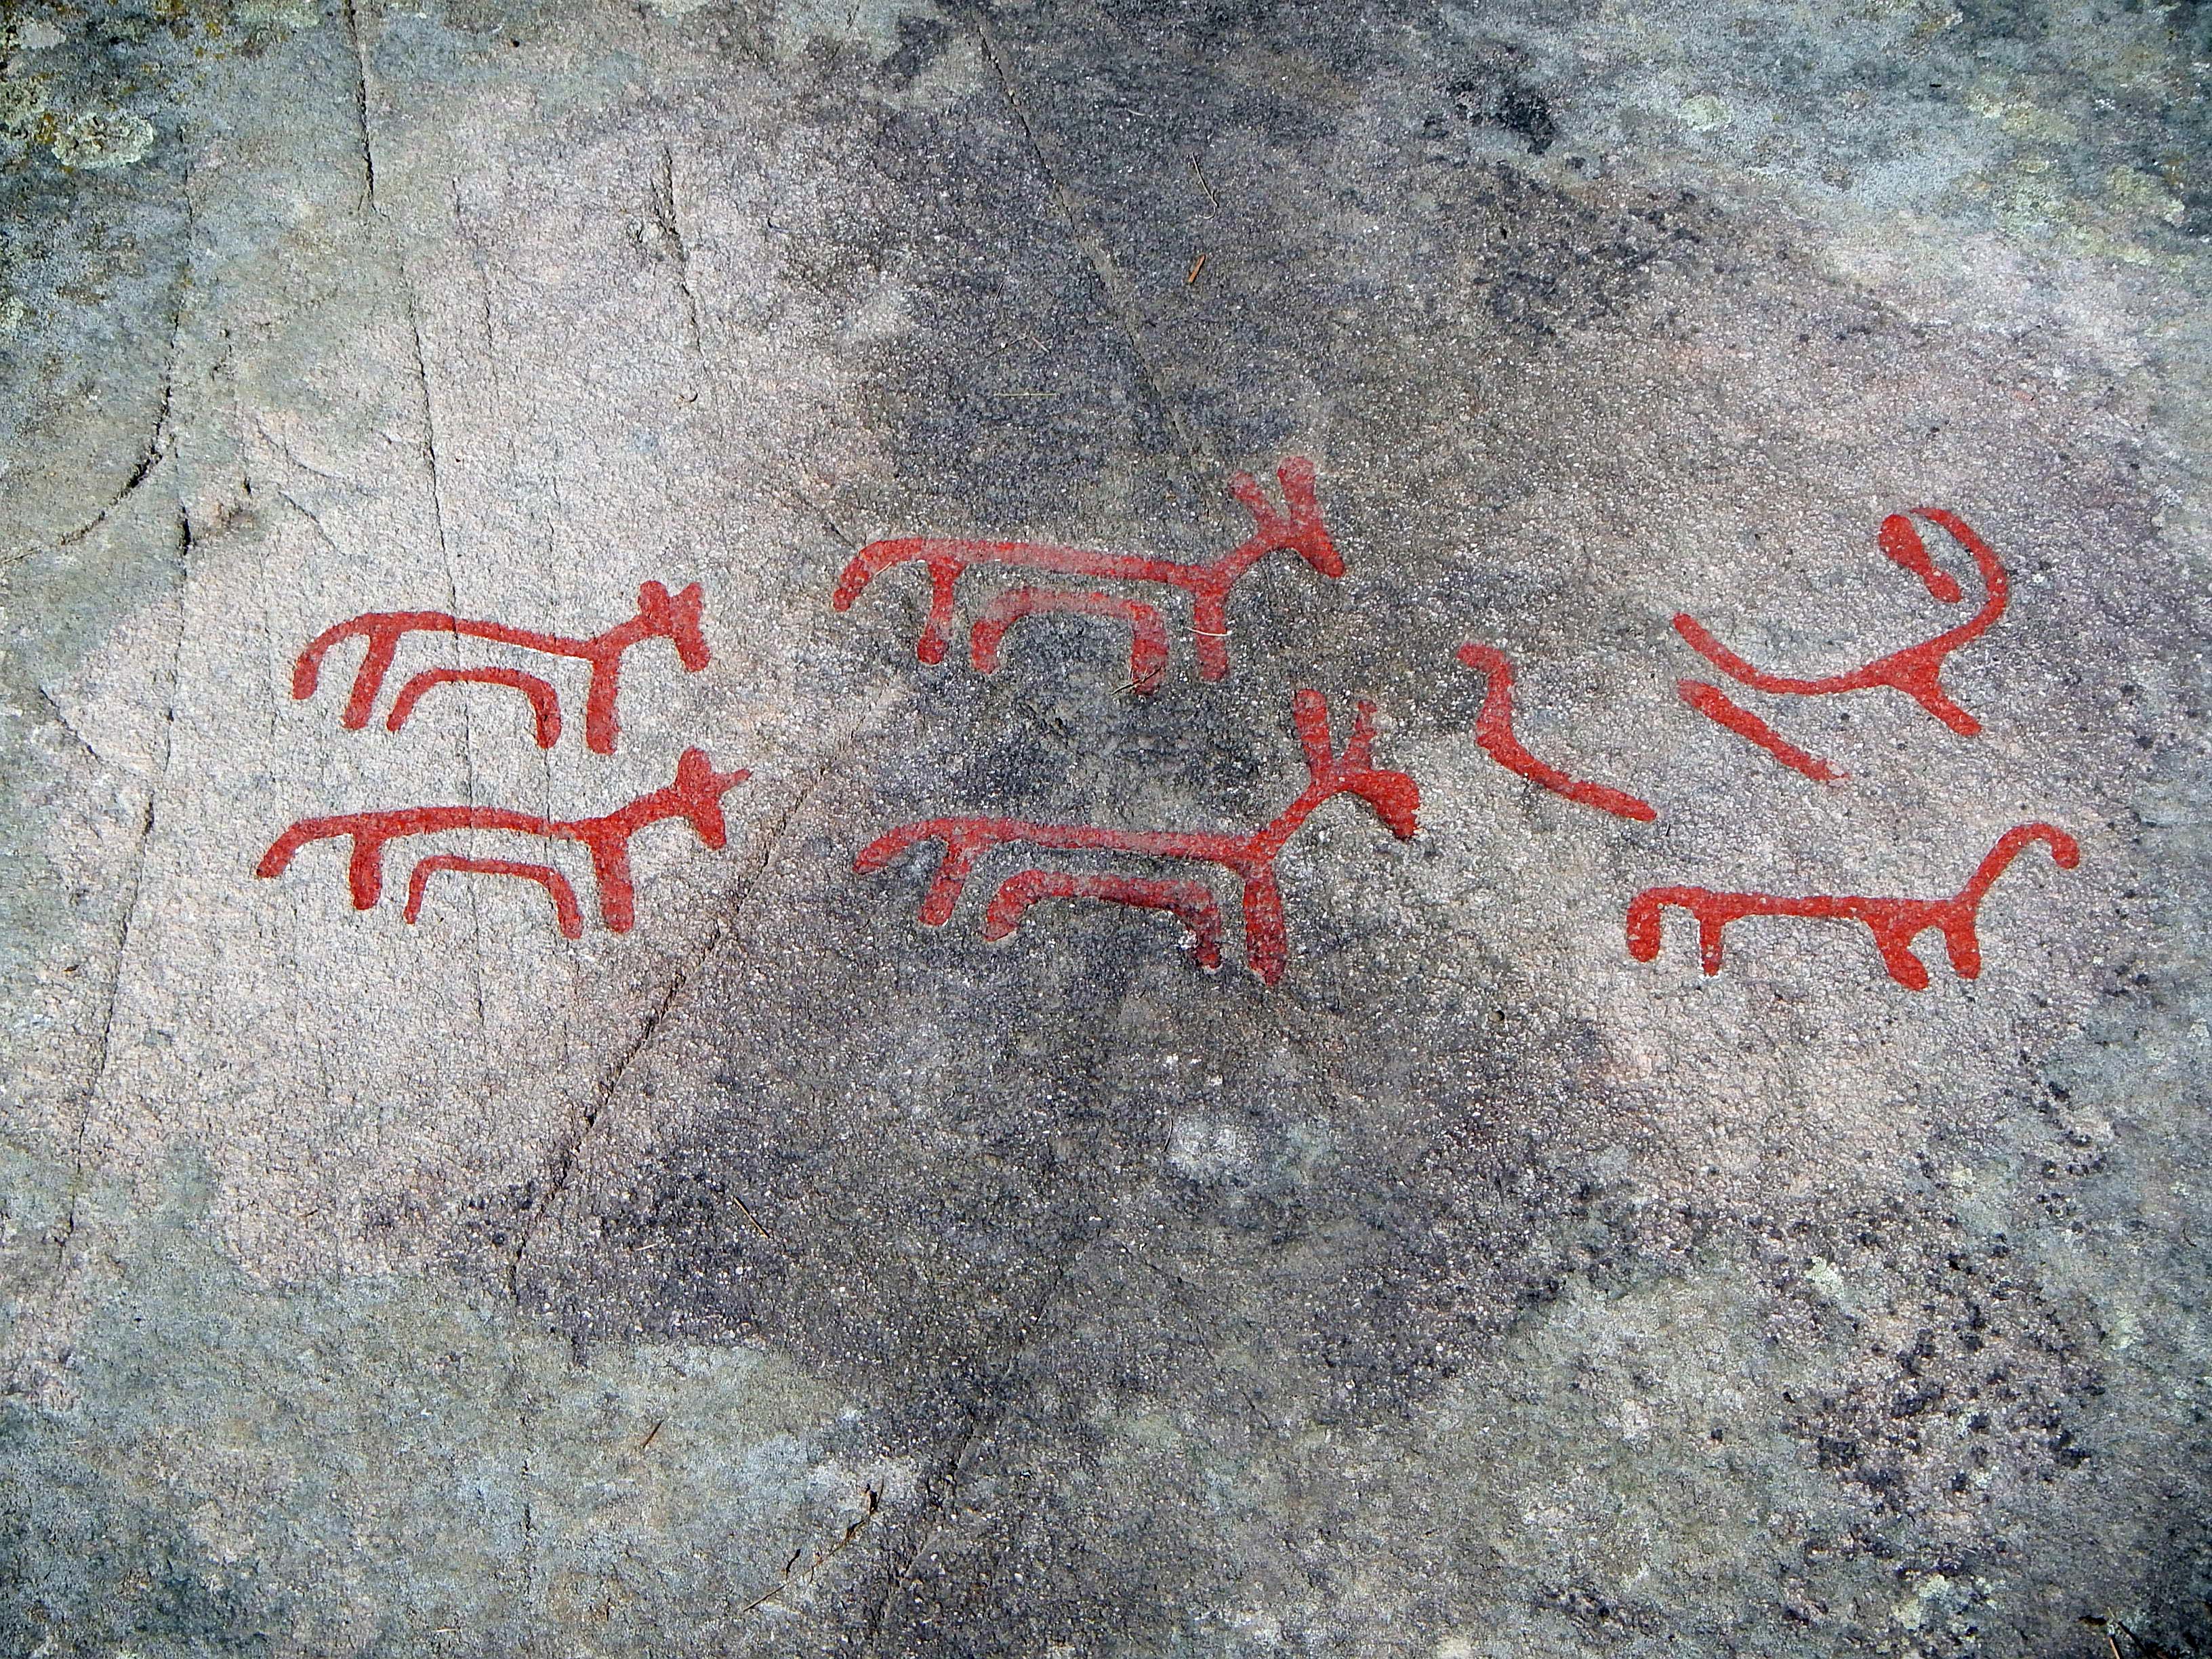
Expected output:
(782, 1275)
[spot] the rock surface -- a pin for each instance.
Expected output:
(782, 1275)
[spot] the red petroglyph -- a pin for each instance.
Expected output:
(1894, 922)
(1394, 796)
(696, 795)
(1493, 732)
(1148, 642)
(571, 919)
(1714, 705)
(1297, 529)
(1193, 900)
(545, 701)
(661, 616)
(1918, 670)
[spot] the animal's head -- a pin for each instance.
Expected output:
(1308, 537)
(676, 617)
(1396, 797)
(697, 794)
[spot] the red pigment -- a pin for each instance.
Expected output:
(696, 795)
(1493, 732)
(1918, 670)
(1894, 922)
(661, 616)
(1299, 530)
(1714, 704)
(1193, 900)
(1148, 642)
(1394, 796)
(571, 919)
(545, 701)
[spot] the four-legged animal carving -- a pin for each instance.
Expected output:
(1297, 529)
(696, 796)
(1894, 922)
(1394, 796)
(661, 616)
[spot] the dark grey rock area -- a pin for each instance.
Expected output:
(783, 1275)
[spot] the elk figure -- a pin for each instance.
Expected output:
(1394, 796)
(1894, 922)
(696, 796)
(1295, 528)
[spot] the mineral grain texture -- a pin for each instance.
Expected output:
(781, 1275)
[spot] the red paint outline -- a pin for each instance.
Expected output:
(1918, 670)
(1193, 900)
(1297, 528)
(1715, 706)
(565, 913)
(1894, 922)
(696, 795)
(661, 616)
(1493, 732)
(1148, 636)
(545, 701)
(1394, 796)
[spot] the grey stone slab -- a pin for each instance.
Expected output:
(782, 1275)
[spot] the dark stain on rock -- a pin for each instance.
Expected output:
(84, 1569)
(1500, 99)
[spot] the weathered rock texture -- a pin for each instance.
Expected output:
(781, 1276)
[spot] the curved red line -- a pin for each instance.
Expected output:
(1192, 900)
(565, 912)
(1917, 671)
(1493, 731)
(1148, 643)
(545, 701)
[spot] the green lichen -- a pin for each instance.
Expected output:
(102, 137)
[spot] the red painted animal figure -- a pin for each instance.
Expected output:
(1894, 922)
(1918, 670)
(1394, 796)
(566, 915)
(661, 616)
(1493, 734)
(1297, 529)
(696, 795)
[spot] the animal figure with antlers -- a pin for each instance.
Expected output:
(1394, 796)
(1296, 527)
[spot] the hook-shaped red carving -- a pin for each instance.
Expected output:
(1918, 670)
(1148, 641)
(1193, 900)
(545, 701)
(1493, 734)
(569, 919)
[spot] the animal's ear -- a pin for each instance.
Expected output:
(1901, 540)
(683, 615)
